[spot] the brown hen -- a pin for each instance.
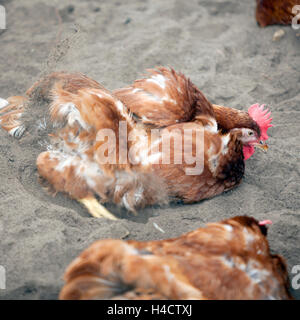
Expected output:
(226, 260)
(153, 142)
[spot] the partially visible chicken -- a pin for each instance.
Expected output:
(270, 12)
(90, 153)
(226, 260)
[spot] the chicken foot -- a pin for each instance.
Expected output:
(96, 209)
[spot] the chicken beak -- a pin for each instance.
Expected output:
(261, 145)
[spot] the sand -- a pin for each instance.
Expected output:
(219, 46)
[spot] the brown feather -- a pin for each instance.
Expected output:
(270, 12)
(177, 99)
(230, 118)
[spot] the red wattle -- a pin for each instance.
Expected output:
(248, 151)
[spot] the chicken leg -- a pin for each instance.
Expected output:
(96, 209)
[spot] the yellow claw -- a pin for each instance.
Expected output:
(96, 209)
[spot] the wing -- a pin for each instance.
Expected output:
(88, 153)
(90, 108)
(165, 98)
(72, 163)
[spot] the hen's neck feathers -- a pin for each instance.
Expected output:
(229, 118)
(201, 105)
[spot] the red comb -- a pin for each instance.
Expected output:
(265, 222)
(262, 118)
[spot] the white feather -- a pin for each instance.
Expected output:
(159, 80)
(3, 103)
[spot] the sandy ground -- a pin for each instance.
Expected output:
(219, 46)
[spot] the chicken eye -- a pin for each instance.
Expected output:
(250, 133)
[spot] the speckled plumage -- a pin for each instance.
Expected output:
(80, 109)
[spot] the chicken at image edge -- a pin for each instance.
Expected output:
(230, 259)
(77, 108)
(269, 12)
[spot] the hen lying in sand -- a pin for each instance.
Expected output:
(226, 260)
(119, 146)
